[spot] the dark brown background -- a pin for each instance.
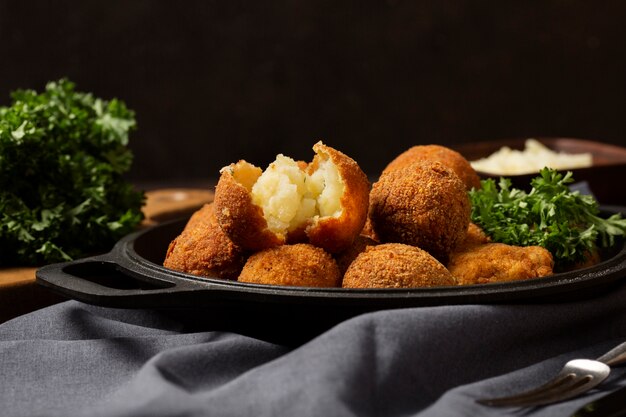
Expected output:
(215, 81)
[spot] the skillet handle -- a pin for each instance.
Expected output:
(101, 281)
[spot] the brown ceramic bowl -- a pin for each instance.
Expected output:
(604, 178)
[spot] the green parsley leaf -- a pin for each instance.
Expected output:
(63, 154)
(565, 222)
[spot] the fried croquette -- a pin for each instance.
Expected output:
(498, 262)
(395, 265)
(240, 219)
(448, 157)
(202, 248)
(300, 264)
(323, 203)
(423, 204)
(345, 258)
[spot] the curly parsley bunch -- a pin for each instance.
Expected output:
(564, 222)
(62, 157)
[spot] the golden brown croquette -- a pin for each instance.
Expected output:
(423, 204)
(335, 229)
(323, 203)
(395, 265)
(240, 219)
(301, 265)
(446, 156)
(203, 249)
(498, 262)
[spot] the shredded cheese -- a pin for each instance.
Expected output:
(532, 159)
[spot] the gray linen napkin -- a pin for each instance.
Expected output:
(73, 359)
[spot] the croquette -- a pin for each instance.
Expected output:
(240, 219)
(320, 224)
(499, 262)
(300, 264)
(423, 204)
(323, 203)
(448, 157)
(338, 223)
(202, 248)
(395, 265)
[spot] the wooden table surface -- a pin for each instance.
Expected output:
(20, 294)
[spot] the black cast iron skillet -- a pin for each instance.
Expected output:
(131, 276)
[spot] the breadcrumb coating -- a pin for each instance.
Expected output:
(499, 262)
(203, 249)
(301, 264)
(423, 204)
(336, 233)
(448, 157)
(396, 265)
(240, 219)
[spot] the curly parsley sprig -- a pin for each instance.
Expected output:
(565, 222)
(62, 157)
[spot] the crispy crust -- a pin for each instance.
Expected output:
(244, 224)
(240, 219)
(423, 204)
(448, 157)
(395, 265)
(202, 248)
(301, 265)
(498, 262)
(336, 234)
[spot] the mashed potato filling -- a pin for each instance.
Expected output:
(289, 196)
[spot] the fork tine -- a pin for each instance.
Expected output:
(559, 382)
(576, 377)
(579, 386)
(561, 388)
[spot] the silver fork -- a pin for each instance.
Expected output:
(576, 377)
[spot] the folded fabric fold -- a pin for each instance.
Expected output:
(74, 359)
